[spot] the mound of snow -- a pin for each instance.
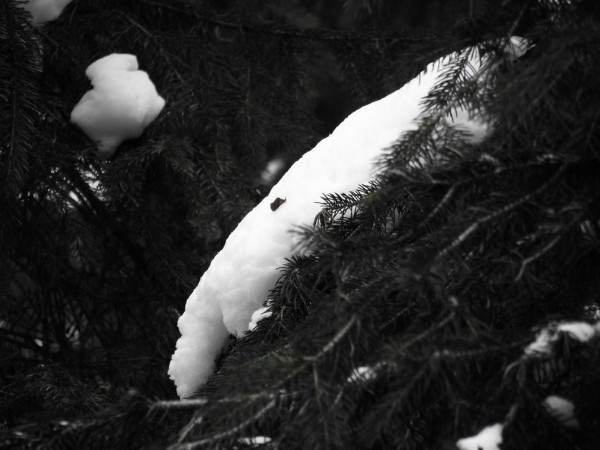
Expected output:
(121, 104)
(238, 280)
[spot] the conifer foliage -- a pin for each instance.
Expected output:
(458, 291)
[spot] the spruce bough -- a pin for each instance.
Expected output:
(409, 324)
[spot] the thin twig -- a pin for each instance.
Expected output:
(497, 213)
(195, 402)
(427, 332)
(545, 249)
(231, 431)
(463, 354)
(179, 404)
(333, 342)
(433, 213)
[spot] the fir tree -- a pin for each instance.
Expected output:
(411, 323)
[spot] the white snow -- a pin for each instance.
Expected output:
(238, 280)
(489, 438)
(580, 331)
(43, 11)
(562, 410)
(121, 104)
(547, 336)
(542, 344)
(257, 316)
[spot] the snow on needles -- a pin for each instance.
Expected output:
(257, 316)
(548, 336)
(238, 280)
(43, 11)
(121, 104)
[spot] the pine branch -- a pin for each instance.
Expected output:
(505, 210)
(546, 248)
(232, 431)
(278, 30)
(19, 72)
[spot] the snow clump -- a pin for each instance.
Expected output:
(363, 373)
(43, 11)
(580, 331)
(239, 278)
(489, 438)
(121, 104)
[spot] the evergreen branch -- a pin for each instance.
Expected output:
(311, 34)
(426, 333)
(563, 231)
(23, 95)
(168, 56)
(458, 86)
(227, 433)
(334, 341)
(434, 212)
(371, 293)
(307, 360)
(179, 404)
(100, 211)
(14, 96)
(458, 78)
(268, 393)
(25, 340)
(395, 316)
(463, 354)
(196, 402)
(498, 213)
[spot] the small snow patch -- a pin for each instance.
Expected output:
(545, 339)
(254, 441)
(580, 331)
(257, 316)
(542, 344)
(516, 47)
(362, 373)
(489, 438)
